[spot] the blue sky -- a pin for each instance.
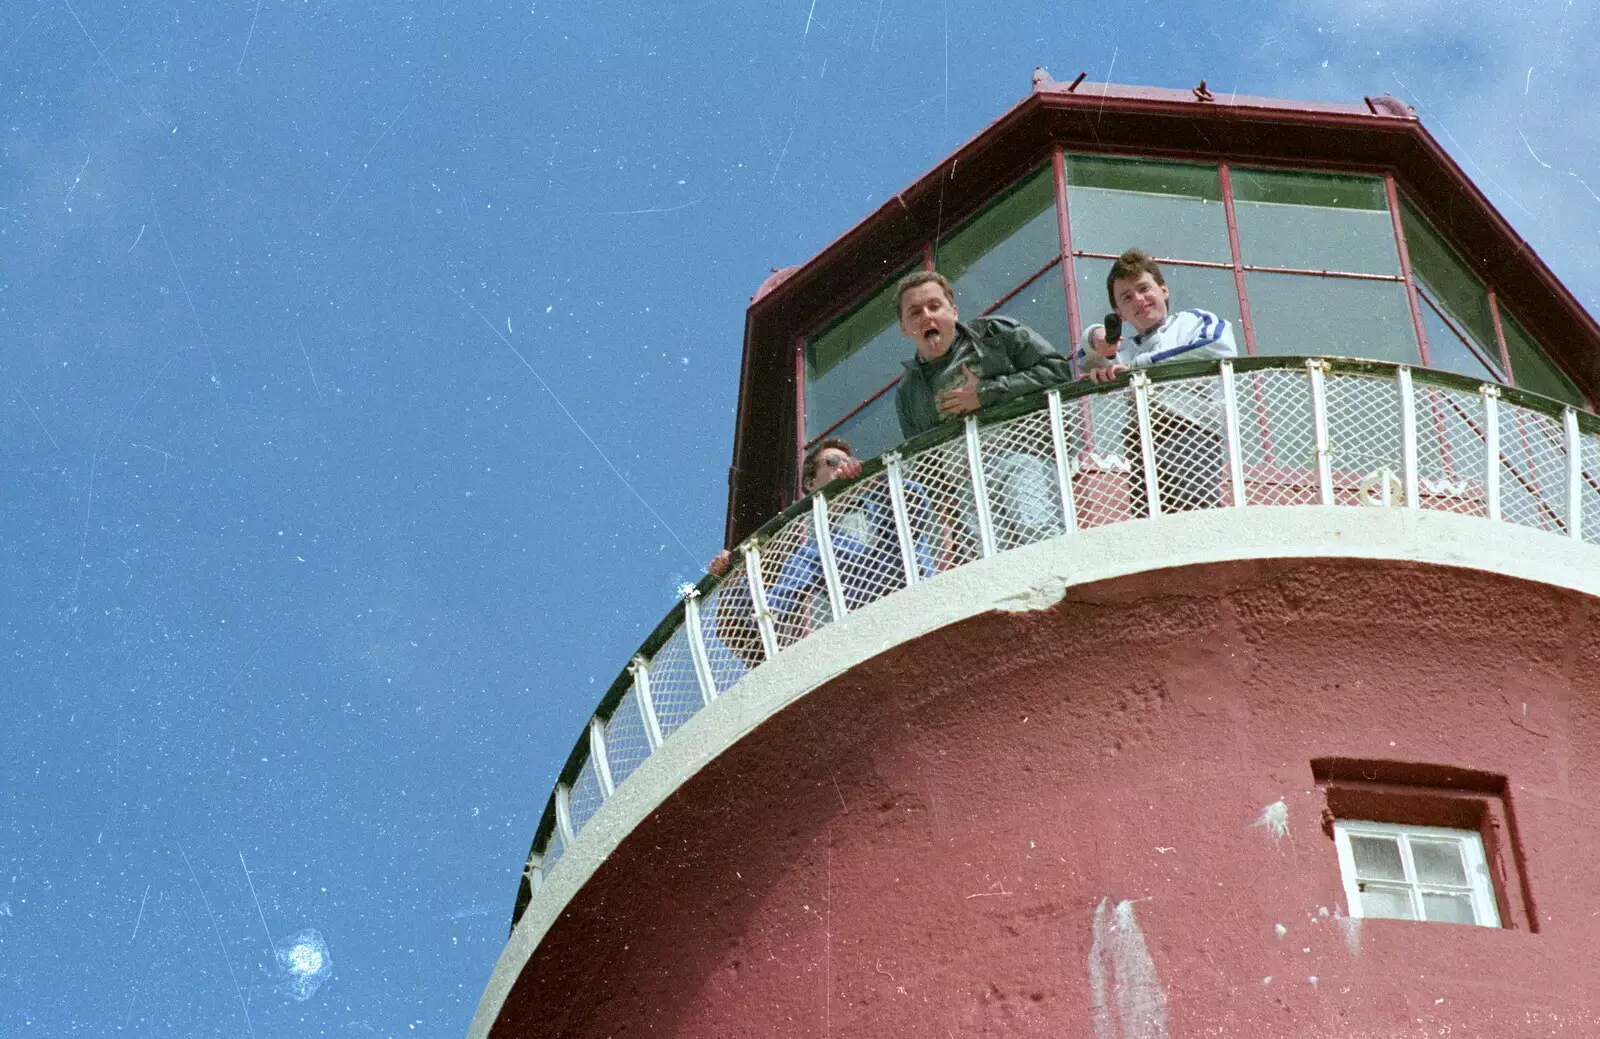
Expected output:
(341, 347)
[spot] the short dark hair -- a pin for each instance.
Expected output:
(1130, 265)
(809, 473)
(915, 278)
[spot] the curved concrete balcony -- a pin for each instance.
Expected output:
(1253, 458)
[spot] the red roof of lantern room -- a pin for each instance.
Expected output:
(1380, 135)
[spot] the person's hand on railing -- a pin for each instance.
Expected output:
(963, 400)
(1106, 374)
(719, 566)
(848, 469)
(1102, 346)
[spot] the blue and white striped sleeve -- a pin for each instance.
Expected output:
(1201, 336)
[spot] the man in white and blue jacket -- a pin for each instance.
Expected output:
(1186, 420)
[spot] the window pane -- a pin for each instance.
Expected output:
(1448, 907)
(1453, 286)
(1339, 317)
(1532, 369)
(1003, 245)
(1042, 306)
(1316, 221)
(1168, 209)
(1377, 858)
(1438, 862)
(1448, 352)
(873, 430)
(853, 358)
(1387, 903)
(1203, 288)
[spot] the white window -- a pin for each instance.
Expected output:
(1415, 873)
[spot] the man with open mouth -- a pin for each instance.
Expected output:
(959, 366)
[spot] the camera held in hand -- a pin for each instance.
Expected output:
(1113, 326)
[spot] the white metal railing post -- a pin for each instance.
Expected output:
(647, 703)
(1147, 445)
(1315, 367)
(758, 599)
(533, 869)
(1408, 437)
(830, 564)
(1491, 448)
(564, 815)
(980, 490)
(1058, 439)
(602, 761)
(1230, 429)
(697, 645)
(1569, 423)
(902, 517)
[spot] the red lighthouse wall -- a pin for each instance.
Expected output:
(1061, 823)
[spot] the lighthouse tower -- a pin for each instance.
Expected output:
(1072, 749)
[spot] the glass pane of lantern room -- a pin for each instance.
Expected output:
(1042, 306)
(1170, 210)
(1314, 221)
(1003, 245)
(872, 430)
(1202, 288)
(1447, 351)
(1334, 317)
(853, 358)
(1533, 370)
(1449, 282)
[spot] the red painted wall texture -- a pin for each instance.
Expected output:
(924, 846)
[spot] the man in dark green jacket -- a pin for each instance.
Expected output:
(961, 367)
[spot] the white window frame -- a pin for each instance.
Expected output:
(1485, 910)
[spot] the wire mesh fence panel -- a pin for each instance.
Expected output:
(673, 685)
(1106, 417)
(1277, 438)
(791, 568)
(587, 797)
(1019, 473)
(1450, 451)
(1103, 439)
(626, 743)
(1365, 449)
(1589, 486)
(554, 848)
(1187, 440)
(866, 544)
(1533, 469)
(728, 623)
(949, 526)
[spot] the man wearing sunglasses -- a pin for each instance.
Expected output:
(866, 545)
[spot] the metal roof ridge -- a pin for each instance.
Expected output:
(1093, 92)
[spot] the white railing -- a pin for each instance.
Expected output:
(1213, 435)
